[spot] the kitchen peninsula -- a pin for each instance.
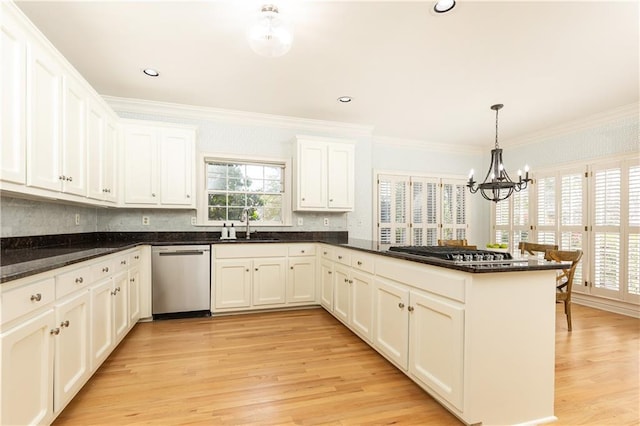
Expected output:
(481, 342)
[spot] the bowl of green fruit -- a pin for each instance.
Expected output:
(503, 247)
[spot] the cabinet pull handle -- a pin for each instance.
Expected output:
(350, 281)
(247, 269)
(330, 272)
(339, 257)
(105, 269)
(301, 251)
(410, 308)
(79, 280)
(113, 293)
(359, 263)
(136, 257)
(117, 289)
(291, 267)
(70, 179)
(346, 280)
(36, 297)
(400, 305)
(55, 331)
(133, 280)
(331, 200)
(60, 177)
(153, 194)
(188, 196)
(324, 252)
(124, 262)
(256, 269)
(64, 324)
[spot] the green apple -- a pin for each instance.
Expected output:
(504, 246)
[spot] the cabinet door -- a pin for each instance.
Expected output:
(43, 118)
(73, 138)
(341, 176)
(436, 348)
(342, 294)
(71, 368)
(140, 165)
(301, 283)
(134, 296)
(109, 149)
(101, 322)
(27, 372)
(13, 91)
(312, 175)
(177, 165)
(269, 281)
(326, 285)
(120, 305)
(362, 304)
(391, 321)
(232, 283)
(95, 151)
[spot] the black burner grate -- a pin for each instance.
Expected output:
(443, 252)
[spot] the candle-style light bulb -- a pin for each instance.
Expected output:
(471, 175)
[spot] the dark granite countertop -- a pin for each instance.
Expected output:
(25, 256)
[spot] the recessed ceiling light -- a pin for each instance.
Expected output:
(443, 6)
(151, 72)
(344, 99)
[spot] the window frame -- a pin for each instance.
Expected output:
(202, 218)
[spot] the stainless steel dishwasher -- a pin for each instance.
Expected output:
(181, 283)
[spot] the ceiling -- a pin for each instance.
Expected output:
(413, 74)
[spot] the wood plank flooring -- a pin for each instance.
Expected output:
(303, 367)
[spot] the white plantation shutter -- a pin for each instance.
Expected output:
(454, 205)
(606, 201)
(392, 210)
(546, 210)
(502, 221)
(572, 219)
(633, 233)
(424, 211)
(520, 223)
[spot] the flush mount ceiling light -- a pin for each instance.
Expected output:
(497, 185)
(151, 72)
(443, 6)
(270, 34)
(345, 99)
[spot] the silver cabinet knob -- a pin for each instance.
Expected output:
(400, 305)
(330, 272)
(339, 257)
(105, 269)
(124, 262)
(153, 194)
(350, 281)
(55, 331)
(188, 196)
(359, 263)
(331, 200)
(36, 297)
(256, 269)
(133, 280)
(303, 198)
(79, 280)
(136, 257)
(247, 269)
(64, 324)
(410, 308)
(60, 177)
(70, 179)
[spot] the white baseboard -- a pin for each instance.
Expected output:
(609, 305)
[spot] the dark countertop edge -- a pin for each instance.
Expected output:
(53, 263)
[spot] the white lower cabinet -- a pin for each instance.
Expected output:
(353, 300)
(26, 383)
(269, 281)
(71, 369)
(102, 336)
(326, 285)
(423, 334)
(134, 295)
(436, 344)
(120, 305)
(262, 275)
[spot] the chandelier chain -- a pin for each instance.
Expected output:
(497, 109)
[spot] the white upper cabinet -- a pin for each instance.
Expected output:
(44, 146)
(102, 138)
(73, 155)
(13, 88)
(324, 174)
(159, 164)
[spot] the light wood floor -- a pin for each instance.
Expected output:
(304, 367)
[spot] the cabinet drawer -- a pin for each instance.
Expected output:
(302, 250)
(72, 280)
(28, 298)
(249, 250)
(342, 256)
(134, 258)
(362, 262)
(102, 270)
(327, 253)
(121, 262)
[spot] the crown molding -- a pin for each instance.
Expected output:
(426, 146)
(585, 123)
(140, 106)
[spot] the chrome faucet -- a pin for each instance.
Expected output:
(245, 216)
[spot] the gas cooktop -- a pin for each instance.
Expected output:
(457, 254)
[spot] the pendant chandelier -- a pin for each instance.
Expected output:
(270, 34)
(497, 185)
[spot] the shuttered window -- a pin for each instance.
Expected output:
(418, 210)
(633, 232)
(572, 217)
